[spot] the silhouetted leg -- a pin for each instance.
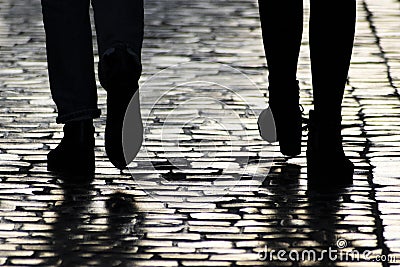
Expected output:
(72, 83)
(282, 27)
(119, 27)
(70, 59)
(332, 29)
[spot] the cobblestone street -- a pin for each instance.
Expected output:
(181, 203)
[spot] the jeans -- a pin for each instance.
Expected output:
(70, 48)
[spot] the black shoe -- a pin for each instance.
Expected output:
(119, 72)
(327, 165)
(285, 108)
(75, 153)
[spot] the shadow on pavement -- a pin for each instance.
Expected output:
(93, 230)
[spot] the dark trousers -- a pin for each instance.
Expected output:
(70, 49)
(332, 27)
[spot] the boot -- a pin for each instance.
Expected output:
(75, 153)
(119, 72)
(286, 111)
(327, 165)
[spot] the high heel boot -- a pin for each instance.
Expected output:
(327, 165)
(286, 111)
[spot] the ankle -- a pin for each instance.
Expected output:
(284, 87)
(79, 131)
(282, 82)
(284, 95)
(79, 123)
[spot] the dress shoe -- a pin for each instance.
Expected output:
(119, 72)
(75, 153)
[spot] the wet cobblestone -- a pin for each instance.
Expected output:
(189, 219)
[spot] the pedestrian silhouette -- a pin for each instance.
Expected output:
(331, 36)
(119, 28)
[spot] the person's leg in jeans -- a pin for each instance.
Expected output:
(72, 81)
(282, 28)
(332, 28)
(119, 27)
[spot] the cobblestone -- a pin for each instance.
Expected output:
(176, 210)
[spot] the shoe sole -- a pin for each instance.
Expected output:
(132, 132)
